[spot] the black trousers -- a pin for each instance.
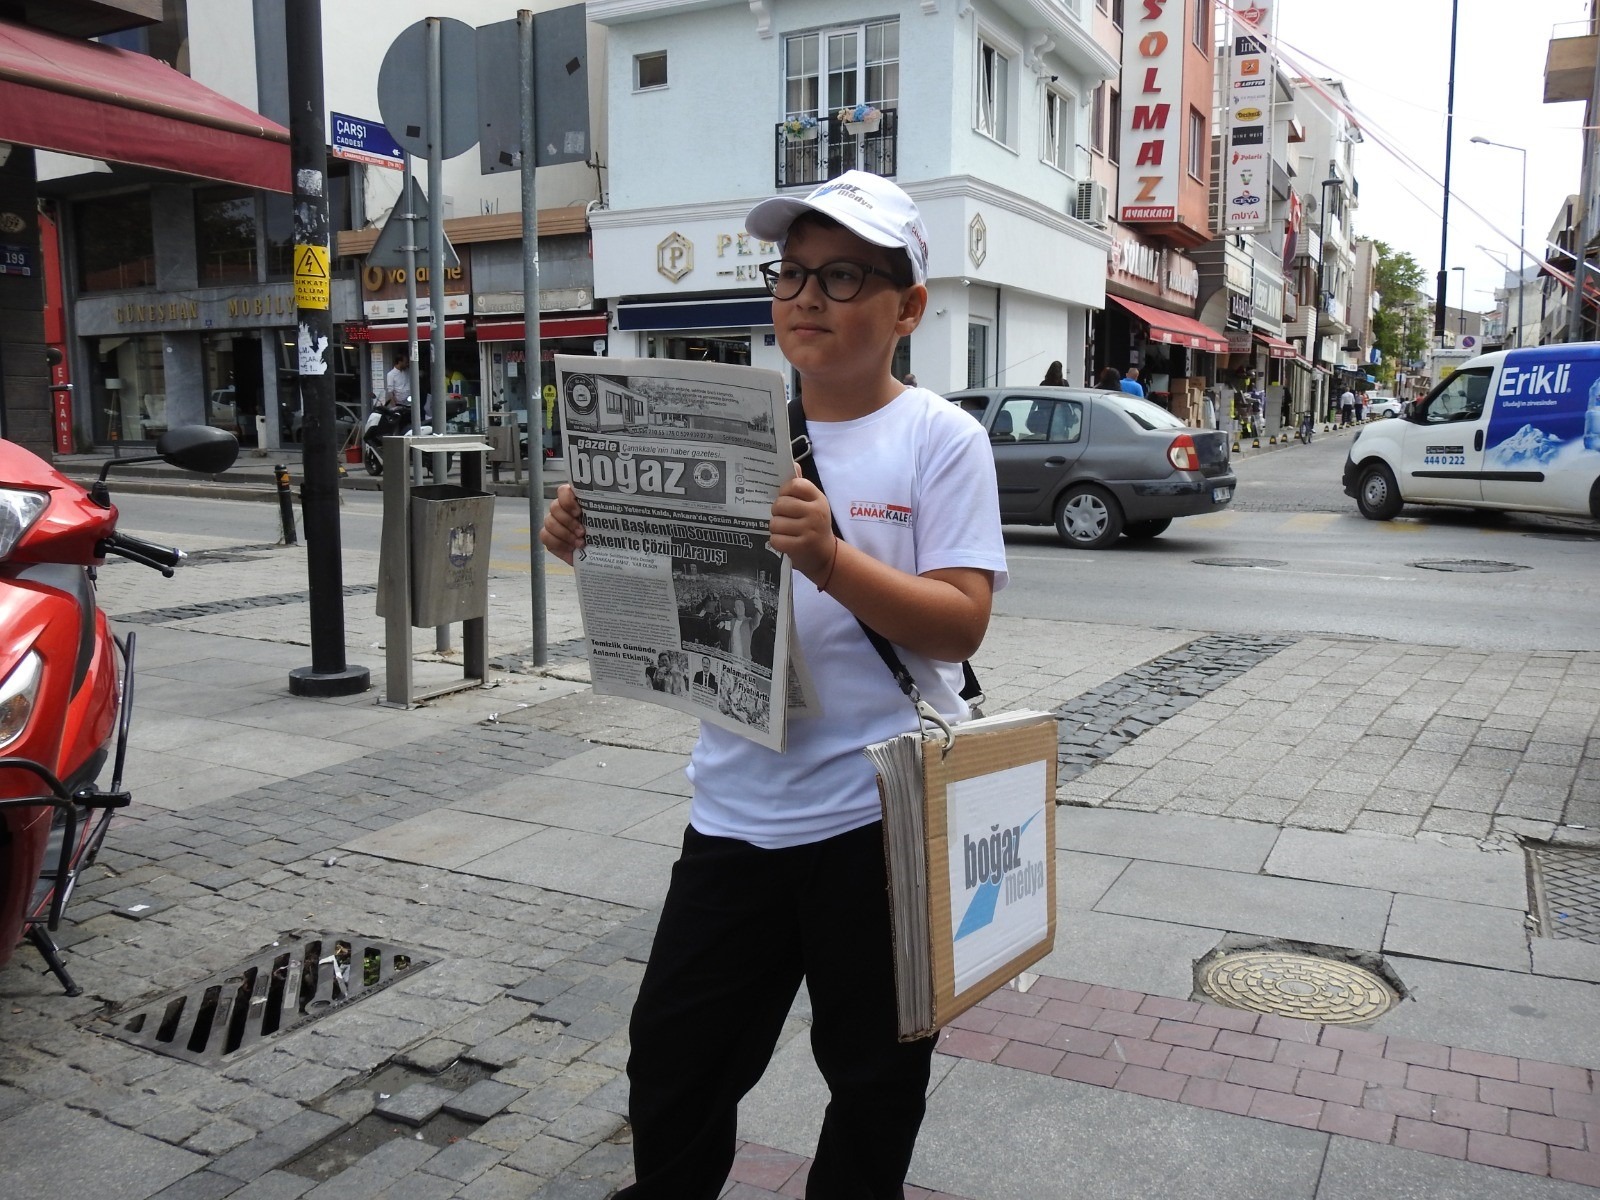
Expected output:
(741, 927)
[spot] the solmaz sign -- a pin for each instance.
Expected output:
(1152, 112)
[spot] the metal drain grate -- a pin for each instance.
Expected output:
(278, 990)
(1566, 891)
(1469, 566)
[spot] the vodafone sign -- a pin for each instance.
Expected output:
(1152, 112)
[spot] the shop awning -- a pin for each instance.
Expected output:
(1276, 346)
(1174, 328)
(96, 101)
(551, 327)
(1301, 361)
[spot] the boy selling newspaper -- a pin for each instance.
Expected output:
(782, 874)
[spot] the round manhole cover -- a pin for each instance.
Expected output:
(1298, 985)
(1241, 562)
(1470, 566)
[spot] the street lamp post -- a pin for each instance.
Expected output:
(1333, 180)
(1522, 225)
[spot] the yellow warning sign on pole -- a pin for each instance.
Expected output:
(311, 276)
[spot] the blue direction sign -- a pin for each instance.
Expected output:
(364, 141)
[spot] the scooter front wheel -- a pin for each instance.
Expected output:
(371, 461)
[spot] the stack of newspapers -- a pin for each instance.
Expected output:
(969, 838)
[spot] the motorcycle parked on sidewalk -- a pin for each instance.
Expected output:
(386, 420)
(66, 681)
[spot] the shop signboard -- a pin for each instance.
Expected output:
(1152, 68)
(1152, 269)
(1247, 133)
(383, 291)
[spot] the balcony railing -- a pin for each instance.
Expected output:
(833, 150)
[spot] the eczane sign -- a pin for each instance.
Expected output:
(1152, 113)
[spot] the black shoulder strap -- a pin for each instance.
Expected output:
(800, 443)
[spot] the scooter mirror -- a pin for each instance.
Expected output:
(201, 448)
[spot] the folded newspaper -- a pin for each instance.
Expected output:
(684, 602)
(969, 839)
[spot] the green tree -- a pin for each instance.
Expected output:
(1400, 324)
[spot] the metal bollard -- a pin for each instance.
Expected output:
(280, 475)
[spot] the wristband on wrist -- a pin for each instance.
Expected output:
(832, 562)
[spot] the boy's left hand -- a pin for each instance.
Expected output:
(802, 526)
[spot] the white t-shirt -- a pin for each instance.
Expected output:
(913, 485)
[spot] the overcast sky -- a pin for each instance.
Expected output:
(1394, 56)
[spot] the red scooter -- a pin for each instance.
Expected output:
(64, 703)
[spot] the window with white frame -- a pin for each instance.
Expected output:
(825, 70)
(1059, 129)
(650, 70)
(993, 117)
(1199, 145)
(1202, 26)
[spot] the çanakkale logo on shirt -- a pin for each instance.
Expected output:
(994, 861)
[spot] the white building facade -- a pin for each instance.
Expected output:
(982, 118)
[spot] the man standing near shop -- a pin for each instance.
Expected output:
(397, 383)
(1347, 407)
(1131, 384)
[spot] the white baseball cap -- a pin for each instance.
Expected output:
(869, 206)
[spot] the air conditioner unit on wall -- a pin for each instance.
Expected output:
(1089, 204)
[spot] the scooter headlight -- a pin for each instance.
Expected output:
(18, 511)
(17, 695)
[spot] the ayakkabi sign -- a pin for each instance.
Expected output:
(1152, 113)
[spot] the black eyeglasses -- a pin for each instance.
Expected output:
(840, 281)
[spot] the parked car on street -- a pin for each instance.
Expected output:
(1098, 464)
(1385, 406)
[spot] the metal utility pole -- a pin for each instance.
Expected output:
(437, 405)
(1443, 278)
(530, 330)
(328, 674)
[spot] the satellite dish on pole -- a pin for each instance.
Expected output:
(403, 91)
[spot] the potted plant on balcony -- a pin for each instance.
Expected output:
(800, 129)
(859, 118)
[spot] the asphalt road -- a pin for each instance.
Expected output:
(1296, 559)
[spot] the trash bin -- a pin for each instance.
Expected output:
(451, 530)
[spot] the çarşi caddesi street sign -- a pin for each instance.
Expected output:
(364, 141)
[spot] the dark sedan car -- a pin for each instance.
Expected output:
(1098, 464)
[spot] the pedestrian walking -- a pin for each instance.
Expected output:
(1109, 380)
(781, 878)
(1054, 376)
(1131, 384)
(1347, 408)
(1283, 412)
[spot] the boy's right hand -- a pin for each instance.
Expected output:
(562, 532)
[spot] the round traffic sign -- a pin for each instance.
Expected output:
(403, 88)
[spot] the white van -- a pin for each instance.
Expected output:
(1517, 429)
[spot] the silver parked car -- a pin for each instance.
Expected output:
(1098, 464)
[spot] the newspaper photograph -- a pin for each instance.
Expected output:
(684, 603)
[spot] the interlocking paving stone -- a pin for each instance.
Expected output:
(482, 1100)
(415, 1104)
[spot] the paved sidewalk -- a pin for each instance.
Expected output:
(1219, 793)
